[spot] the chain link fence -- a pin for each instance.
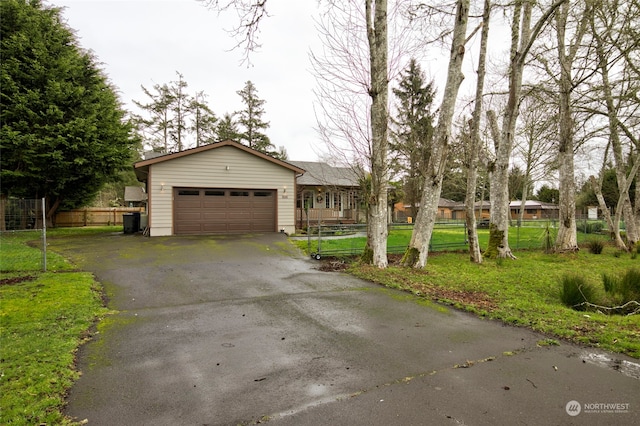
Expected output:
(23, 235)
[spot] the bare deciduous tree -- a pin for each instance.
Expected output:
(522, 38)
(473, 147)
(417, 252)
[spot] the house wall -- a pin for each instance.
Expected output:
(224, 167)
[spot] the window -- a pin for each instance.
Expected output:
(239, 193)
(262, 193)
(532, 211)
(216, 193)
(189, 192)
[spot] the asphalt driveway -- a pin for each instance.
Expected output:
(242, 329)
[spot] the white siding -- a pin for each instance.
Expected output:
(224, 167)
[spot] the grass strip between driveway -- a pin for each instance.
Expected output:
(523, 292)
(44, 318)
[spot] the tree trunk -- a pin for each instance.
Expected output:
(499, 190)
(377, 212)
(498, 245)
(567, 235)
(3, 209)
(614, 229)
(418, 250)
(51, 210)
(616, 147)
(636, 206)
(473, 150)
(521, 39)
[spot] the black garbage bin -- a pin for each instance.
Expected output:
(136, 221)
(129, 223)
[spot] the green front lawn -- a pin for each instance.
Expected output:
(523, 292)
(44, 317)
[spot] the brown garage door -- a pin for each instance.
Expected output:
(222, 211)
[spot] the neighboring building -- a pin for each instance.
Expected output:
(454, 210)
(224, 187)
(327, 194)
(447, 210)
(482, 210)
(134, 196)
(534, 210)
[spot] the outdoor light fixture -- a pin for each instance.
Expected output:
(162, 187)
(228, 168)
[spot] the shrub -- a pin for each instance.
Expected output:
(629, 286)
(596, 246)
(611, 283)
(575, 291)
(593, 228)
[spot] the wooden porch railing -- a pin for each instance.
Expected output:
(324, 215)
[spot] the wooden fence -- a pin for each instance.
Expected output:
(94, 216)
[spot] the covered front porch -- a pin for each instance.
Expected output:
(323, 206)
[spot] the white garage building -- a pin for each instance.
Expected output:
(219, 188)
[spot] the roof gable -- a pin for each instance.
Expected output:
(142, 167)
(322, 174)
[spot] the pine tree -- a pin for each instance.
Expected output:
(250, 118)
(180, 109)
(156, 128)
(413, 130)
(204, 121)
(227, 129)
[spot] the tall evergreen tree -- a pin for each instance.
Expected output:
(203, 121)
(63, 131)
(227, 129)
(156, 127)
(250, 118)
(180, 104)
(413, 130)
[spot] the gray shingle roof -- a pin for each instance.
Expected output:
(322, 174)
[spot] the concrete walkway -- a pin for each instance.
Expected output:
(242, 329)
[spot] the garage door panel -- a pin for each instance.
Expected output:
(239, 227)
(188, 229)
(189, 204)
(239, 215)
(214, 217)
(218, 204)
(215, 228)
(189, 216)
(214, 210)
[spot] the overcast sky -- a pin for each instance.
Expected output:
(144, 42)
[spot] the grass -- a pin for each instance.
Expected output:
(523, 292)
(44, 317)
(444, 237)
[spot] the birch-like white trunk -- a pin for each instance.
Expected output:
(522, 36)
(418, 250)
(499, 172)
(473, 150)
(567, 239)
(614, 229)
(377, 231)
(616, 147)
